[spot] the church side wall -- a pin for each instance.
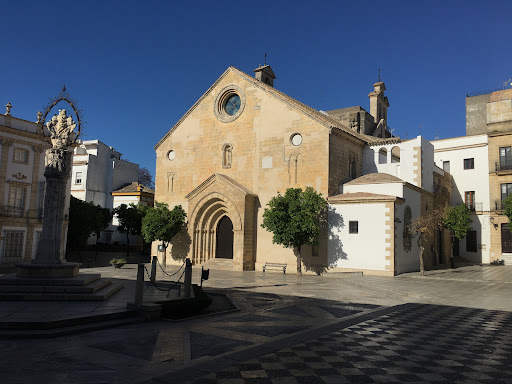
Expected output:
(341, 150)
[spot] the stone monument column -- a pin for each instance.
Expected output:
(49, 260)
(57, 172)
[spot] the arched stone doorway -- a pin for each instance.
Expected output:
(224, 239)
(222, 222)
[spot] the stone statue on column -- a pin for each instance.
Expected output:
(49, 260)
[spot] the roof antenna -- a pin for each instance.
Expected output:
(265, 58)
(379, 75)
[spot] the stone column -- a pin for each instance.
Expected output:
(57, 173)
(34, 190)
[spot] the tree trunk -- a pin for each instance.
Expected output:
(97, 241)
(127, 244)
(452, 262)
(422, 266)
(296, 250)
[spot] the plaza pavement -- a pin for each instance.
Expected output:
(449, 326)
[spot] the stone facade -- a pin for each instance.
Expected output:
(266, 157)
(500, 174)
(21, 189)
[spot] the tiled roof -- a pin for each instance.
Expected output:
(133, 187)
(303, 107)
(360, 196)
(375, 178)
(506, 94)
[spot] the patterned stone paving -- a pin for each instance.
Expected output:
(420, 344)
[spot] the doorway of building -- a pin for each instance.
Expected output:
(224, 239)
(506, 239)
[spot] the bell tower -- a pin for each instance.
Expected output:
(379, 103)
(265, 74)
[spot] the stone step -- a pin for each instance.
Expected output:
(507, 258)
(102, 294)
(92, 287)
(81, 279)
(67, 320)
(71, 329)
(221, 264)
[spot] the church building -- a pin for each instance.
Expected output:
(239, 145)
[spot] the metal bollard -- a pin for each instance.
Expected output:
(139, 286)
(153, 268)
(188, 278)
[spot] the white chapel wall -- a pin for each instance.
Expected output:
(355, 251)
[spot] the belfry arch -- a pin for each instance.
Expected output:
(221, 198)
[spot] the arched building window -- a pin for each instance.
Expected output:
(227, 153)
(383, 156)
(352, 168)
(395, 154)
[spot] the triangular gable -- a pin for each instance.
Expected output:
(297, 105)
(219, 178)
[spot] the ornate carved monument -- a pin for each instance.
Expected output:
(49, 261)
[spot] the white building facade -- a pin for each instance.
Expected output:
(466, 159)
(98, 170)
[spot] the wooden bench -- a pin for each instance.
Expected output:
(276, 266)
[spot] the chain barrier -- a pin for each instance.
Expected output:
(164, 271)
(160, 289)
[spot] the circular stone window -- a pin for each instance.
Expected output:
(229, 104)
(296, 139)
(171, 155)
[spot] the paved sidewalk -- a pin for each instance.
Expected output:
(328, 329)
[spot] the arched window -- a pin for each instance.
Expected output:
(395, 154)
(352, 168)
(383, 156)
(227, 152)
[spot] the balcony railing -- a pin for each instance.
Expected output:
(7, 210)
(503, 166)
(474, 206)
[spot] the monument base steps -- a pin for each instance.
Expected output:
(86, 287)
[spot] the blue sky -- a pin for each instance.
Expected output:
(136, 67)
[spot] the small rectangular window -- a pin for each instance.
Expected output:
(446, 166)
(78, 178)
(469, 199)
(353, 227)
(20, 155)
(505, 158)
(469, 163)
(17, 197)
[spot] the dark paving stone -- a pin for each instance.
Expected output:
(270, 331)
(339, 311)
(244, 318)
(292, 310)
(204, 345)
(140, 347)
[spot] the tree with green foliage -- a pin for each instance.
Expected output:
(458, 221)
(82, 217)
(508, 210)
(295, 219)
(130, 220)
(163, 224)
(102, 219)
